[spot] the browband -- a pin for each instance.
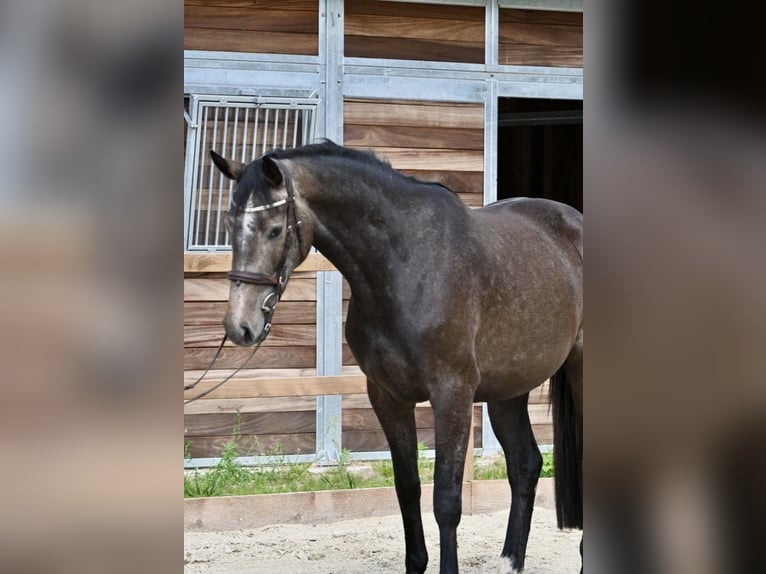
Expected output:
(268, 206)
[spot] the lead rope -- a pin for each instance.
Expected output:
(214, 387)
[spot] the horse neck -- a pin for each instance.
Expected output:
(365, 222)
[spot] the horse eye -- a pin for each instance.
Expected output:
(275, 232)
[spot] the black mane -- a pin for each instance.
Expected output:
(254, 182)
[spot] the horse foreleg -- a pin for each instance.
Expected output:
(510, 421)
(452, 418)
(398, 423)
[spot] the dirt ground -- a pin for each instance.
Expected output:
(374, 545)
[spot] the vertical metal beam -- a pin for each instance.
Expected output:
(490, 142)
(491, 33)
(489, 442)
(192, 143)
(329, 414)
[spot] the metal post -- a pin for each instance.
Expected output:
(329, 413)
(491, 33)
(489, 442)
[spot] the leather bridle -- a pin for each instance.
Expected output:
(277, 280)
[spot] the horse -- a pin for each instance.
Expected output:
(448, 304)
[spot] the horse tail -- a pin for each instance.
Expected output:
(567, 453)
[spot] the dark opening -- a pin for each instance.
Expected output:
(540, 149)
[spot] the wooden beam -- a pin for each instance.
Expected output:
(223, 513)
(221, 262)
(460, 116)
(247, 387)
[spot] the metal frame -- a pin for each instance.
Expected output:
(200, 105)
(331, 77)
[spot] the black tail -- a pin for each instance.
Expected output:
(567, 453)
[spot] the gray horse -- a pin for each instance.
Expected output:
(448, 304)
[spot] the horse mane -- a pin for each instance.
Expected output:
(325, 147)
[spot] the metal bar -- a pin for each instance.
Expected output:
(201, 159)
(445, 2)
(255, 132)
(224, 182)
(210, 182)
(295, 127)
(490, 143)
(553, 5)
(330, 283)
(190, 168)
(276, 129)
(265, 131)
(491, 33)
(285, 129)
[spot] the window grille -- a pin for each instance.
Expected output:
(237, 128)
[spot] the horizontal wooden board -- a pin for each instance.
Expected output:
(292, 357)
(221, 262)
(280, 336)
(213, 312)
(301, 5)
(203, 289)
(413, 114)
(412, 49)
(432, 159)
(414, 10)
(250, 445)
(542, 17)
(472, 200)
(540, 38)
(251, 17)
(196, 358)
(554, 56)
(462, 182)
(422, 28)
(261, 405)
(222, 513)
(540, 35)
(250, 42)
(244, 385)
(221, 424)
(412, 137)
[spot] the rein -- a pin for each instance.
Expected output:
(276, 280)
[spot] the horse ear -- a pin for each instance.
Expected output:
(272, 171)
(229, 167)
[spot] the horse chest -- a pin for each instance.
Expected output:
(383, 357)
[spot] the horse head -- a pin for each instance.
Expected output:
(268, 239)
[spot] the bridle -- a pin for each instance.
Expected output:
(277, 280)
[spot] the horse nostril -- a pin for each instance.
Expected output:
(247, 334)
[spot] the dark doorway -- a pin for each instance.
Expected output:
(540, 149)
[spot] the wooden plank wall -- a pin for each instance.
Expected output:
(442, 142)
(540, 38)
(264, 424)
(407, 31)
(265, 26)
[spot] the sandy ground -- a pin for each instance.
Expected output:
(374, 545)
